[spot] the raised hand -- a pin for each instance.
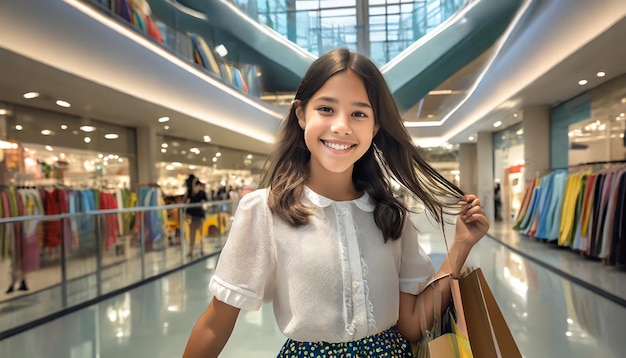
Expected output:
(472, 224)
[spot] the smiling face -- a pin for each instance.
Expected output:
(338, 124)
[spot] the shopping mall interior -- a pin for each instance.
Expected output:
(107, 107)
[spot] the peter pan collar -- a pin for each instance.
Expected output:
(364, 202)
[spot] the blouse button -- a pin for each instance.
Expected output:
(355, 284)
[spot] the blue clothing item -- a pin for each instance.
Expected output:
(542, 210)
(155, 219)
(388, 343)
(553, 217)
(238, 81)
(530, 212)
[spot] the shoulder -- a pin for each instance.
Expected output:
(256, 199)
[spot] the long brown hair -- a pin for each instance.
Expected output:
(393, 155)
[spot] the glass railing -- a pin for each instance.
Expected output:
(392, 26)
(89, 259)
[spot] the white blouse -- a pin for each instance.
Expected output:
(332, 280)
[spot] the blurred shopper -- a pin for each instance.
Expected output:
(195, 194)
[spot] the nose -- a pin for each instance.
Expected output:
(341, 124)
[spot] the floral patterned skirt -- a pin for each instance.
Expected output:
(388, 343)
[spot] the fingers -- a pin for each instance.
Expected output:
(470, 199)
(472, 211)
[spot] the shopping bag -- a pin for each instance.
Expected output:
(489, 335)
(455, 343)
(447, 337)
(477, 326)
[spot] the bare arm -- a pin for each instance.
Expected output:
(417, 312)
(212, 331)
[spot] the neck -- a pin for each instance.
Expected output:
(335, 186)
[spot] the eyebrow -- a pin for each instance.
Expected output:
(334, 100)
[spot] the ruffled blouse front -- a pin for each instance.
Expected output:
(333, 280)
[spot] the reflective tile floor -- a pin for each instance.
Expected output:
(548, 315)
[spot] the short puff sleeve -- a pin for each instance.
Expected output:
(246, 268)
(416, 268)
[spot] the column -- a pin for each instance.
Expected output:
(292, 23)
(536, 124)
(467, 168)
(484, 167)
(363, 28)
(148, 155)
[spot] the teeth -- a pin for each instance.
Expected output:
(337, 146)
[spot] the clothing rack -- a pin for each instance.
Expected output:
(603, 162)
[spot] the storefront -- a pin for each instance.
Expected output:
(221, 169)
(508, 172)
(598, 137)
(60, 150)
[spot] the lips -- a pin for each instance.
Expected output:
(337, 146)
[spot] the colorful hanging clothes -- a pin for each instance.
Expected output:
(583, 211)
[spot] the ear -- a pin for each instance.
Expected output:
(376, 128)
(299, 110)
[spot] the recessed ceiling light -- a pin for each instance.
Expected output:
(166, 127)
(164, 119)
(47, 132)
(214, 159)
(63, 126)
(164, 145)
(18, 127)
(218, 154)
(497, 124)
(163, 150)
(582, 82)
(87, 129)
(471, 138)
(30, 95)
(87, 140)
(221, 50)
(192, 167)
(49, 148)
(601, 74)
(3, 112)
(207, 138)
(111, 136)
(62, 103)
(430, 116)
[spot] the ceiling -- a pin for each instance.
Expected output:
(548, 49)
(107, 77)
(111, 73)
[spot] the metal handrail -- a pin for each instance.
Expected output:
(15, 219)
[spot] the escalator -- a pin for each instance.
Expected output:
(421, 67)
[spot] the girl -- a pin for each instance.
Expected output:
(327, 241)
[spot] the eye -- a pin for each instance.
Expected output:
(325, 109)
(360, 114)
